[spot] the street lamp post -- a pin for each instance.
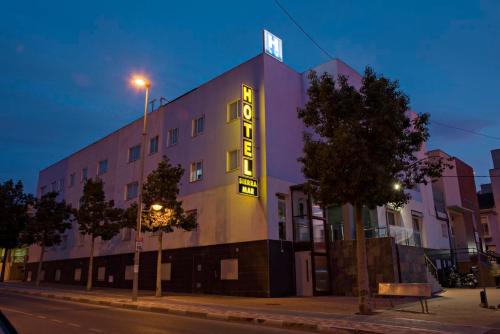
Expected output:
(140, 82)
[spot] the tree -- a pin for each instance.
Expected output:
(14, 205)
(97, 218)
(363, 150)
(161, 190)
(45, 228)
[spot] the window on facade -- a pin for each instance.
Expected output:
(196, 171)
(101, 273)
(282, 218)
(229, 269)
(131, 190)
(72, 179)
(134, 153)
(392, 218)
(77, 276)
(486, 227)
(103, 167)
(61, 184)
(173, 137)
(85, 174)
(53, 186)
(166, 271)
(233, 110)
(129, 273)
(43, 190)
(153, 145)
(57, 276)
(417, 226)
(444, 230)
(232, 160)
(198, 126)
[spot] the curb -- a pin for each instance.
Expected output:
(277, 323)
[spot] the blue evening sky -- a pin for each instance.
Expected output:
(65, 64)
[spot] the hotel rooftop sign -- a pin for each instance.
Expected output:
(273, 45)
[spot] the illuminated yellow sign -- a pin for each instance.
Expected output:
(248, 186)
(247, 143)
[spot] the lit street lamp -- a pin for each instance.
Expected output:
(140, 82)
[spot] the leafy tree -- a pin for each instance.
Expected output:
(45, 228)
(363, 150)
(97, 218)
(14, 205)
(162, 188)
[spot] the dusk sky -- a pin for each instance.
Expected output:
(65, 64)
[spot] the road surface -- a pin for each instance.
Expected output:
(31, 314)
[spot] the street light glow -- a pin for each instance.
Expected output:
(397, 186)
(157, 207)
(140, 81)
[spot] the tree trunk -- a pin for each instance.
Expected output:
(362, 266)
(40, 265)
(91, 265)
(4, 263)
(158, 266)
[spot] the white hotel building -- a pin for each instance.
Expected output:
(273, 244)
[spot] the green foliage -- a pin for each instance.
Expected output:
(14, 204)
(96, 216)
(50, 220)
(363, 142)
(162, 187)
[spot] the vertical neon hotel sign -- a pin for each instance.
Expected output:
(247, 184)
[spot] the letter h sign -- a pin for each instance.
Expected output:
(273, 45)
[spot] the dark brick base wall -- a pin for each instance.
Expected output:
(264, 269)
(412, 266)
(383, 256)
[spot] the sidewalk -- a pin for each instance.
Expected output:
(449, 314)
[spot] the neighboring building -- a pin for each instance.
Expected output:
(489, 201)
(457, 208)
(238, 138)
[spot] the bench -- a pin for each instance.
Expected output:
(420, 290)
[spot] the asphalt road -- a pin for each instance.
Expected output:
(38, 315)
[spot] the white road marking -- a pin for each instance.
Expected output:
(56, 320)
(73, 324)
(95, 330)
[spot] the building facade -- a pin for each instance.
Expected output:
(238, 138)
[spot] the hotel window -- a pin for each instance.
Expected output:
(486, 226)
(444, 230)
(233, 110)
(196, 173)
(72, 179)
(281, 217)
(153, 145)
(232, 160)
(53, 186)
(101, 273)
(85, 174)
(229, 269)
(173, 137)
(131, 190)
(417, 227)
(393, 218)
(61, 184)
(134, 153)
(103, 167)
(198, 126)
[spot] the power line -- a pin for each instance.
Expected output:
(287, 13)
(302, 29)
(465, 130)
